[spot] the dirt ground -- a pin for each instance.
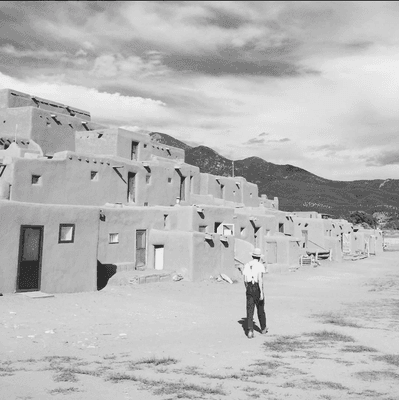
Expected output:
(333, 334)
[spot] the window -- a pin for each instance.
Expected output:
(113, 238)
(146, 204)
(242, 231)
(281, 228)
(94, 175)
(217, 224)
(267, 232)
(145, 146)
(169, 180)
(66, 233)
(202, 228)
(147, 179)
(36, 179)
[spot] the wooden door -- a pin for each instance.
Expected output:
(30, 257)
(141, 244)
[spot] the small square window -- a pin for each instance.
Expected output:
(202, 228)
(169, 180)
(66, 233)
(36, 179)
(147, 179)
(94, 175)
(146, 204)
(145, 146)
(113, 238)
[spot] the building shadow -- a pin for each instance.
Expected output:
(104, 273)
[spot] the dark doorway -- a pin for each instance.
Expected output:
(182, 188)
(141, 244)
(135, 146)
(30, 258)
(131, 187)
(305, 239)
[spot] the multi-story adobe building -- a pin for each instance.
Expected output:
(78, 198)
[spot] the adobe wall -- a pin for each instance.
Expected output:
(286, 252)
(13, 99)
(66, 267)
(54, 132)
(67, 179)
(212, 257)
(125, 221)
(231, 189)
(118, 142)
(178, 251)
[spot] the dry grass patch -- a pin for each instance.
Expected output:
(61, 359)
(376, 375)
(329, 336)
(64, 390)
(358, 349)
(153, 361)
(65, 376)
(181, 389)
(119, 376)
(162, 387)
(321, 385)
(336, 319)
(392, 359)
(284, 344)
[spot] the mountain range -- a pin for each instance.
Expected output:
(298, 189)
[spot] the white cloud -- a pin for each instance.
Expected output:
(103, 106)
(43, 53)
(116, 65)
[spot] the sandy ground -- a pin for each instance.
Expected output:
(333, 334)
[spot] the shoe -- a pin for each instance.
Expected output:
(265, 330)
(250, 334)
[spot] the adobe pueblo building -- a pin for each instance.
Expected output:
(77, 198)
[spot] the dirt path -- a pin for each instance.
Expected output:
(334, 334)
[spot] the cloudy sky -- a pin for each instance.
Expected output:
(313, 84)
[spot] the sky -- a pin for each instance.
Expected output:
(311, 84)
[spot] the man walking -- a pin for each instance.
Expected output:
(253, 280)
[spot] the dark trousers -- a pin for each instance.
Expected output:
(253, 298)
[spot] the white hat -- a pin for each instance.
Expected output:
(257, 253)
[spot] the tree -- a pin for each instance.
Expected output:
(364, 219)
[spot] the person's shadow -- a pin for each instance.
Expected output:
(243, 323)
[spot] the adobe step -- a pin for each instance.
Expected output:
(135, 277)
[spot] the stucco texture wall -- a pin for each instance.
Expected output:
(66, 267)
(125, 222)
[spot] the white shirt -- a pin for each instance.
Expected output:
(253, 270)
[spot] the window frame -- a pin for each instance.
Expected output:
(72, 240)
(117, 237)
